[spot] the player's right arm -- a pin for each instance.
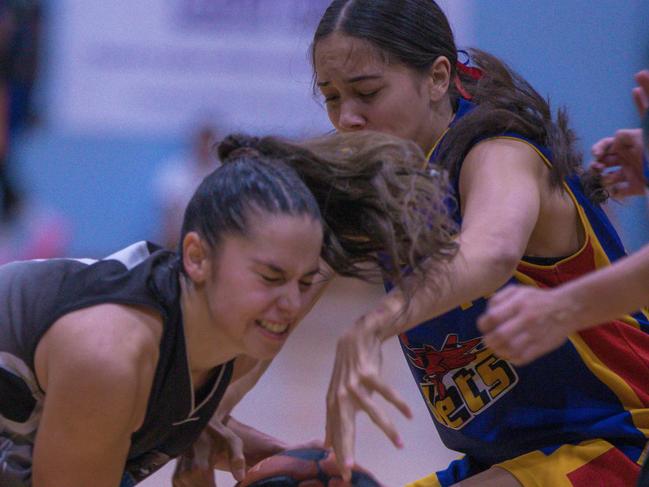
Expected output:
(96, 366)
(500, 191)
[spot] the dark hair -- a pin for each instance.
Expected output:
(246, 182)
(415, 33)
(378, 205)
(410, 32)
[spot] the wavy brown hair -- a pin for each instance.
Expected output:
(506, 102)
(378, 205)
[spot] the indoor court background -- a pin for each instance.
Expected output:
(123, 82)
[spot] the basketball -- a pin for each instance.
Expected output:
(307, 467)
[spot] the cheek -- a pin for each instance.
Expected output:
(247, 305)
(332, 114)
(389, 113)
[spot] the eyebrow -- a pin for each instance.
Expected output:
(355, 79)
(279, 270)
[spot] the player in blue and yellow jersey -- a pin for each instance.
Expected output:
(527, 214)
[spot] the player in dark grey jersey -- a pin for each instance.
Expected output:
(110, 368)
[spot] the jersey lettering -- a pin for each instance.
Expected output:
(461, 380)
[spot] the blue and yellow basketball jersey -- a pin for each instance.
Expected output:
(594, 386)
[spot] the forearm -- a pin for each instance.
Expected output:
(608, 293)
(471, 274)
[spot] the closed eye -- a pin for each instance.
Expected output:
(331, 99)
(272, 280)
(368, 95)
(306, 284)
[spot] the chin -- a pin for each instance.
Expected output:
(264, 354)
(264, 350)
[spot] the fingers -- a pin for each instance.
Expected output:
(340, 429)
(612, 151)
(308, 445)
(498, 309)
(505, 326)
(505, 294)
(625, 139)
(374, 383)
(192, 477)
(616, 184)
(332, 404)
(641, 92)
(236, 456)
(379, 418)
(600, 148)
(342, 435)
(512, 343)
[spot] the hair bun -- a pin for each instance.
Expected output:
(235, 146)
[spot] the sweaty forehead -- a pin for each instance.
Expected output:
(341, 56)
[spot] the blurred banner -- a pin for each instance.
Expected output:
(156, 66)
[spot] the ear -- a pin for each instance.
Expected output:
(439, 78)
(196, 258)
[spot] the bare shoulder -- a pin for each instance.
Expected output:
(114, 346)
(506, 150)
(97, 367)
(500, 164)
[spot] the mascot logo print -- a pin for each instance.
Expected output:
(461, 379)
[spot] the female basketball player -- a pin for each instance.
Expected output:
(110, 368)
(525, 216)
(523, 323)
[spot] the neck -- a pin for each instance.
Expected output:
(442, 118)
(206, 347)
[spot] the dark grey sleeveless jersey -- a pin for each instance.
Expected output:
(34, 294)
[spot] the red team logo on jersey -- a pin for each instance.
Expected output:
(461, 379)
(436, 364)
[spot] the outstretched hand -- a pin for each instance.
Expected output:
(619, 161)
(355, 378)
(522, 323)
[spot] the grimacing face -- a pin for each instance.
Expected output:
(261, 282)
(363, 92)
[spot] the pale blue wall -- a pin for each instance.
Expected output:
(103, 185)
(581, 54)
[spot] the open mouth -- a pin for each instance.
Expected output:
(277, 329)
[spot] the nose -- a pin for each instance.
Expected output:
(290, 300)
(350, 117)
